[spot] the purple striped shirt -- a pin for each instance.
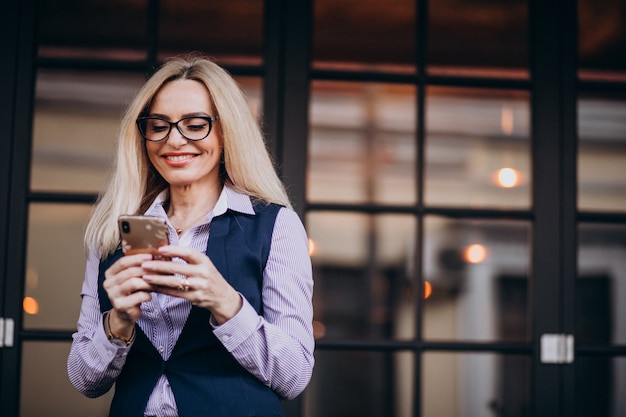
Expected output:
(277, 347)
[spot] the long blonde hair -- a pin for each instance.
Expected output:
(134, 182)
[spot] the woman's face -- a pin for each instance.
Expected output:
(183, 162)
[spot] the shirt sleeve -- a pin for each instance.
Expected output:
(278, 347)
(94, 363)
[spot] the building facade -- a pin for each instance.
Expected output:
(458, 164)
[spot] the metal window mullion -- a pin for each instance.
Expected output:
(551, 26)
(421, 42)
(19, 138)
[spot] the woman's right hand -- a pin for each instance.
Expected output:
(127, 290)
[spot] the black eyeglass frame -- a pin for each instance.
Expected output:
(209, 119)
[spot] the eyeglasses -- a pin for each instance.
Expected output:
(156, 129)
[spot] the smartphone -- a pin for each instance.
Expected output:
(143, 234)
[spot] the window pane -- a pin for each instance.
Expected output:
(228, 30)
(76, 123)
(602, 39)
(470, 37)
(361, 384)
(600, 384)
(478, 273)
(55, 265)
(477, 148)
(364, 33)
(601, 153)
(601, 284)
(362, 143)
(362, 266)
(45, 388)
(475, 384)
(252, 87)
(111, 29)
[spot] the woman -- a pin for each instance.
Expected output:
(225, 328)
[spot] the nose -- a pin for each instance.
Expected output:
(175, 139)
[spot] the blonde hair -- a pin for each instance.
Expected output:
(134, 183)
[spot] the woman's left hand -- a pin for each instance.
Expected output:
(197, 281)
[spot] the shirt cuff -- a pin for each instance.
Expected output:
(107, 350)
(239, 328)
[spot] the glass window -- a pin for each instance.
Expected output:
(477, 148)
(483, 38)
(601, 284)
(75, 128)
(362, 268)
(362, 34)
(601, 152)
(362, 143)
(55, 265)
(45, 388)
(600, 382)
(103, 29)
(475, 384)
(230, 31)
(601, 40)
(360, 384)
(476, 272)
(252, 87)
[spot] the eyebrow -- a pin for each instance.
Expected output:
(166, 117)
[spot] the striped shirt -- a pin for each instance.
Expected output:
(277, 347)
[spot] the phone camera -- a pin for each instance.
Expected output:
(125, 227)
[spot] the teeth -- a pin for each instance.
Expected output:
(178, 157)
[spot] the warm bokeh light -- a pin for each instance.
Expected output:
(319, 330)
(428, 289)
(507, 177)
(30, 305)
(506, 121)
(312, 247)
(475, 253)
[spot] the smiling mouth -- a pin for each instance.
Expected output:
(179, 158)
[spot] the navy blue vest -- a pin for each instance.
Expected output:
(205, 379)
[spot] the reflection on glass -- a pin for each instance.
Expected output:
(478, 38)
(228, 30)
(363, 384)
(112, 29)
(478, 270)
(477, 148)
(55, 266)
(601, 40)
(600, 383)
(362, 267)
(362, 143)
(365, 35)
(601, 284)
(45, 388)
(76, 123)
(475, 384)
(601, 153)
(252, 87)
(75, 130)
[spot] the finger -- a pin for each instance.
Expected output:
(126, 262)
(133, 300)
(115, 283)
(190, 255)
(169, 283)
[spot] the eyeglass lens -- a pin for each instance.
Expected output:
(192, 128)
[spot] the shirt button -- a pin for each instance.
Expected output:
(160, 348)
(226, 337)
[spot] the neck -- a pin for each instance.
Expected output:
(189, 205)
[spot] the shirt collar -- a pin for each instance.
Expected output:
(229, 199)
